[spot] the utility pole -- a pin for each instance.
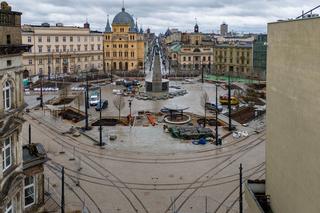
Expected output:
(86, 104)
(62, 190)
(240, 191)
(229, 102)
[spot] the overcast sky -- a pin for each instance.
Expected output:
(158, 15)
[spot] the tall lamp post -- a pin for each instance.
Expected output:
(100, 127)
(41, 93)
(130, 116)
(229, 102)
(217, 134)
(86, 103)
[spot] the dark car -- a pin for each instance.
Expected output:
(104, 105)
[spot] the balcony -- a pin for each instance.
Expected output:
(258, 201)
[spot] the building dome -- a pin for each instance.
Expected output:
(123, 18)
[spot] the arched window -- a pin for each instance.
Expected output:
(7, 95)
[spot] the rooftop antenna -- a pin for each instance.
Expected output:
(122, 4)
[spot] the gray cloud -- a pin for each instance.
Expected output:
(242, 16)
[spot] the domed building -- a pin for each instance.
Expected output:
(123, 44)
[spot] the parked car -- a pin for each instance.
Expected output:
(212, 106)
(104, 105)
(94, 99)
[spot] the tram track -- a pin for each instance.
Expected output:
(230, 161)
(93, 165)
(56, 171)
(93, 152)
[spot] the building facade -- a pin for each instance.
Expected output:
(292, 148)
(61, 49)
(123, 44)
(17, 190)
(224, 29)
(202, 52)
(260, 55)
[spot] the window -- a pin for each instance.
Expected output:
(6, 154)
(49, 48)
(7, 99)
(40, 49)
(114, 46)
(98, 46)
(204, 58)
(92, 58)
(92, 47)
(29, 39)
(85, 39)
(29, 192)
(8, 39)
(40, 39)
(9, 63)
(64, 39)
(126, 54)
(189, 58)
(98, 57)
(57, 48)
(30, 61)
(79, 59)
(64, 48)
(121, 30)
(120, 54)
(107, 54)
(57, 60)
(57, 39)
(85, 47)
(48, 39)
(92, 39)
(114, 54)
(184, 58)
(71, 38)
(78, 38)
(79, 47)
(132, 54)
(9, 208)
(86, 58)
(71, 48)
(98, 38)
(40, 61)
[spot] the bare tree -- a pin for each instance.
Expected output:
(119, 103)
(203, 102)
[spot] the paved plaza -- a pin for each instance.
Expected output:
(145, 169)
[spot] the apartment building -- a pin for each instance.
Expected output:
(61, 49)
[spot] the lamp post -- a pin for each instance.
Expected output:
(100, 127)
(229, 102)
(86, 104)
(130, 116)
(41, 93)
(217, 134)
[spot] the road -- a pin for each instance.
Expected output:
(129, 180)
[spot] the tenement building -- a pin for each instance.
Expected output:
(197, 52)
(123, 44)
(21, 183)
(292, 148)
(61, 49)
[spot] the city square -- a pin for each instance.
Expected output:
(142, 110)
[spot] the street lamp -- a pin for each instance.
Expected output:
(100, 127)
(86, 103)
(217, 134)
(229, 102)
(41, 93)
(130, 116)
